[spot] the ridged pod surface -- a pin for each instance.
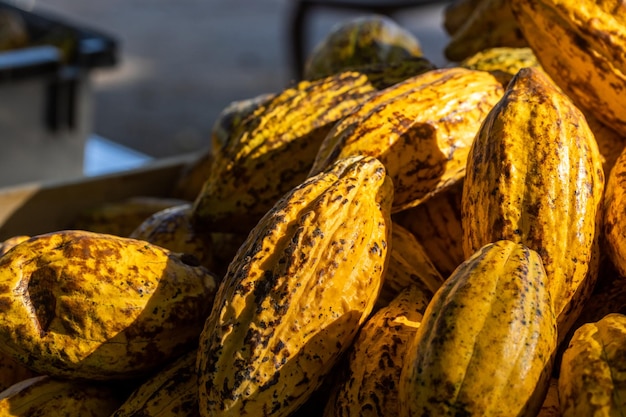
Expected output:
(10, 242)
(172, 229)
(582, 46)
(503, 62)
(614, 219)
(490, 24)
(535, 176)
(408, 265)
(436, 224)
(172, 391)
(375, 361)
(78, 304)
(421, 129)
(358, 42)
(46, 396)
(296, 293)
(273, 149)
(486, 344)
(592, 381)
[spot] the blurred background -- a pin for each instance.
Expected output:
(179, 63)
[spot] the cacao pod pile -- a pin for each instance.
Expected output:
(382, 238)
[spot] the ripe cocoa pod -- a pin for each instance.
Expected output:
(502, 61)
(272, 151)
(408, 265)
(10, 242)
(486, 343)
(172, 229)
(490, 24)
(614, 221)
(592, 380)
(582, 46)
(297, 292)
(370, 387)
(436, 224)
(172, 391)
(421, 129)
(78, 304)
(46, 396)
(535, 176)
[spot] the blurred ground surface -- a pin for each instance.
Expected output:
(181, 62)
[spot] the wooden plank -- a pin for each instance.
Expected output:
(42, 207)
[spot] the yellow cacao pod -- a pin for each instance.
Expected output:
(172, 391)
(78, 304)
(535, 176)
(408, 265)
(614, 221)
(592, 380)
(582, 46)
(486, 344)
(502, 61)
(297, 292)
(46, 396)
(490, 24)
(172, 229)
(272, 151)
(421, 129)
(10, 242)
(436, 224)
(370, 387)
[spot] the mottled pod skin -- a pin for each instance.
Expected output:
(487, 341)
(592, 381)
(491, 24)
(272, 150)
(582, 46)
(173, 229)
(296, 293)
(10, 242)
(375, 362)
(421, 129)
(172, 391)
(78, 304)
(361, 42)
(535, 176)
(46, 396)
(502, 61)
(408, 265)
(614, 215)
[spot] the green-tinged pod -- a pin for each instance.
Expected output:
(172, 391)
(535, 176)
(361, 42)
(297, 292)
(487, 341)
(370, 387)
(421, 129)
(272, 150)
(592, 381)
(77, 304)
